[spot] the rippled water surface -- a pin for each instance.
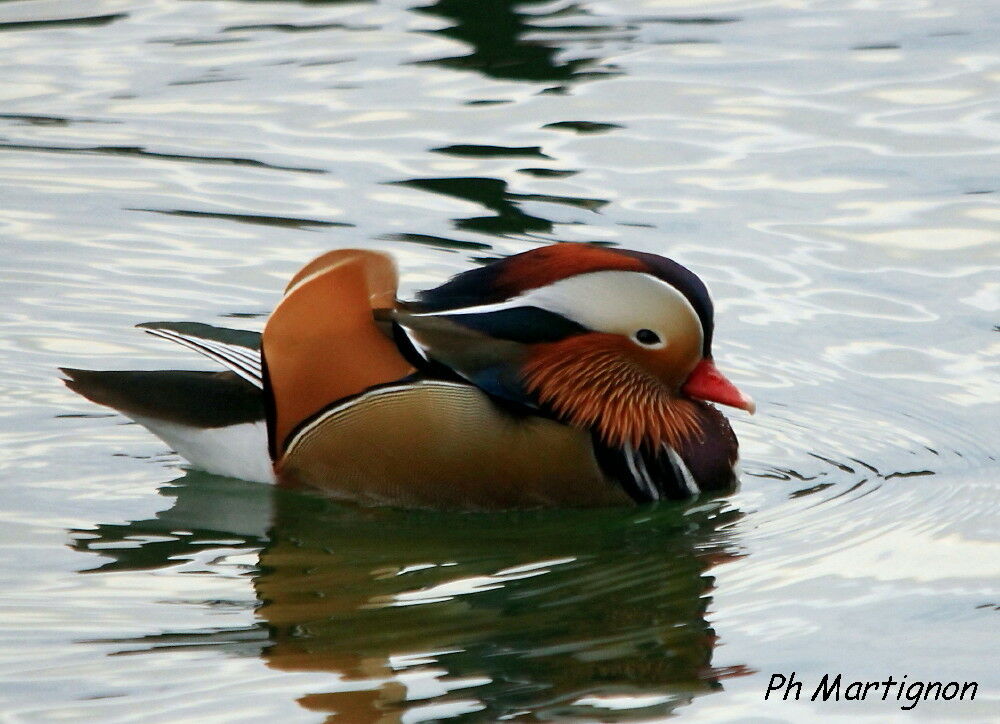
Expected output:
(830, 169)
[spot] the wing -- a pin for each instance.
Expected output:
(237, 349)
(322, 343)
(487, 346)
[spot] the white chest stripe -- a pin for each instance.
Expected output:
(637, 467)
(682, 470)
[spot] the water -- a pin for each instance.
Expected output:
(829, 168)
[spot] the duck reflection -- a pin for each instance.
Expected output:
(549, 613)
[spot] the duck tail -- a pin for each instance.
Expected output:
(215, 420)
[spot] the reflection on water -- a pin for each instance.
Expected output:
(205, 512)
(508, 39)
(411, 605)
(133, 151)
(50, 23)
(829, 170)
(493, 194)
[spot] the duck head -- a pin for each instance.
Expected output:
(615, 341)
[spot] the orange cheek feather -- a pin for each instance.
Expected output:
(670, 366)
(602, 381)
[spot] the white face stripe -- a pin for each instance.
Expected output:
(620, 302)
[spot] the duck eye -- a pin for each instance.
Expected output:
(647, 337)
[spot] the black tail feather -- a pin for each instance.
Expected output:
(196, 399)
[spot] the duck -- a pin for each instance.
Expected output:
(572, 374)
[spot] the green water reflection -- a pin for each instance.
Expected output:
(519, 611)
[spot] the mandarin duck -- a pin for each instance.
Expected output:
(572, 374)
